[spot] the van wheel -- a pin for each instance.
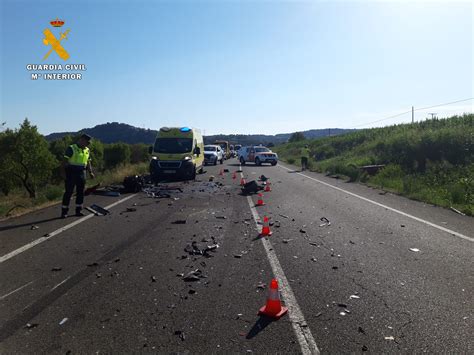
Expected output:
(257, 161)
(242, 160)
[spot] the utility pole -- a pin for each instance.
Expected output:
(412, 114)
(432, 115)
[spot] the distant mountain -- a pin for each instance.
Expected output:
(113, 132)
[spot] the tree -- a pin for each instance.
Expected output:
(115, 154)
(139, 153)
(26, 158)
(296, 137)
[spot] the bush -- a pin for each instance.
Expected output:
(53, 192)
(116, 154)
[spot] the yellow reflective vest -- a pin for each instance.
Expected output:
(80, 157)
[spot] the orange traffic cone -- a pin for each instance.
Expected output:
(266, 232)
(260, 200)
(234, 175)
(242, 182)
(267, 187)
(273, 307)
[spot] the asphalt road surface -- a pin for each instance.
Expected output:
(387, 275)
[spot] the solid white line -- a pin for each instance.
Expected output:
(301, 328)
(56, 232)
(18, 289)
(388, 208)
(59, 284)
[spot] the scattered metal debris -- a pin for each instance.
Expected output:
(389, 338)
(64, 320)
(325, 222)
(180, 334)
(179, 221)
(153, 279)
(31, 325)
(194, 275)
(286, 241)
(354, 297)
(56, 268)
(34, 227)
(282, 215)
(100, 209)
(313, 259)
(238, 256)
(416, 250)
(93, 264)
(302, 231)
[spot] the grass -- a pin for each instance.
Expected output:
(18, 202)
(430, 161)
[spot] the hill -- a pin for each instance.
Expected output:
(432, 161)
(113, 132)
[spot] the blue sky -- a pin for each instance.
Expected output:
(238, 66)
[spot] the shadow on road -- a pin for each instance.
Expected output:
(260, 325)
(28, 224)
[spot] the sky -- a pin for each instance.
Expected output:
(237, 66)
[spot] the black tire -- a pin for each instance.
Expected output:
(258, 162)
(222, 161)
(215, 162)
(274, 163)
(193, 175)
(242, 160)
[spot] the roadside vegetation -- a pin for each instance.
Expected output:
(430, 161)
(29, 167)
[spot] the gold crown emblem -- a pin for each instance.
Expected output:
(57, 23)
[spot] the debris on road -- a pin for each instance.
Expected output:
(416, 250)
(93, 264)
(354, 296)
(325, 222)
(34, 227)
(238, 256)
(335, 268)
(31, 325)
(221, 217)
(313, 259)
(457, 211)
(179, 221)
(314, 244)
(194, 275)
(100, 209)
(153, 279)
(263, 178)
(389, 338)
(302, 231)
(365, 348)
(131, 209)
(180, 334)
(94, 212)
(261, 286)
(286, 241)
(63, 321)
(342, 313)
(282, 215)
(56, 268)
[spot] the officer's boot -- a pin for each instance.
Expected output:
(79, 211)
(64, 212)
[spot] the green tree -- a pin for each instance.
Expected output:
(26, 158)
(115, 154)
(296, 137)
(139, 153)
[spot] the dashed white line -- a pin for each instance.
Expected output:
(303, 333)
(16, 290)
(59, 284)
(56, 232)
(388, 208)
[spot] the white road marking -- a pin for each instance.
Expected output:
(56, 232)
(18, 289)
(388, 208)
(301, 328)
(59, 284)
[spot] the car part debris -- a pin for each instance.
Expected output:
(416, 250)
(133, 184)
(365, 348)
(261, 286)
(361, 330)
(221, 217)
(326, 222)
(192, 292)
(179, 221)
(180, 334)
(389, 338)
(282, 215)
(251, 187)
(286, 241)
(335, 267)
(263, 178)
(354, 297)
(314, 244)
(99, 209)
(313, 259)
(93, 264)
(457, 211)
(64, 320)
(238, 256)
(31, 325)
(91, 189)
(131, 209)
(34, 227)
(302, 231)
(56, 268)
(94, 212)
(107, 193)
(194, 275)
(153, 279)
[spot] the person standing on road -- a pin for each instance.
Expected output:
(304, 157)
(73, 170)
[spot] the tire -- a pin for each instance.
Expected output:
(222, 161)
(258, 162)
(193, 176)
(274, 163)
(215, 162)
(242, 160)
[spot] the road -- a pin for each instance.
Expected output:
(387, 275)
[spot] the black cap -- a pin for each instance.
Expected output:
(86, 137)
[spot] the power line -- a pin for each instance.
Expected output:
(418, 109)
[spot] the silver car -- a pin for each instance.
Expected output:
(213, 154)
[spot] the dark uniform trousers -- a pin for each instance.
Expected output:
(75, 177)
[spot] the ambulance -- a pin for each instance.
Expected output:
(178, 154)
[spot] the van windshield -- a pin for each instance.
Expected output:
(173, 145)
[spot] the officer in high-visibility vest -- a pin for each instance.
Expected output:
(305, 153)
(76, 162)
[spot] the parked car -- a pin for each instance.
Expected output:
(213, 154)
(257, 155)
